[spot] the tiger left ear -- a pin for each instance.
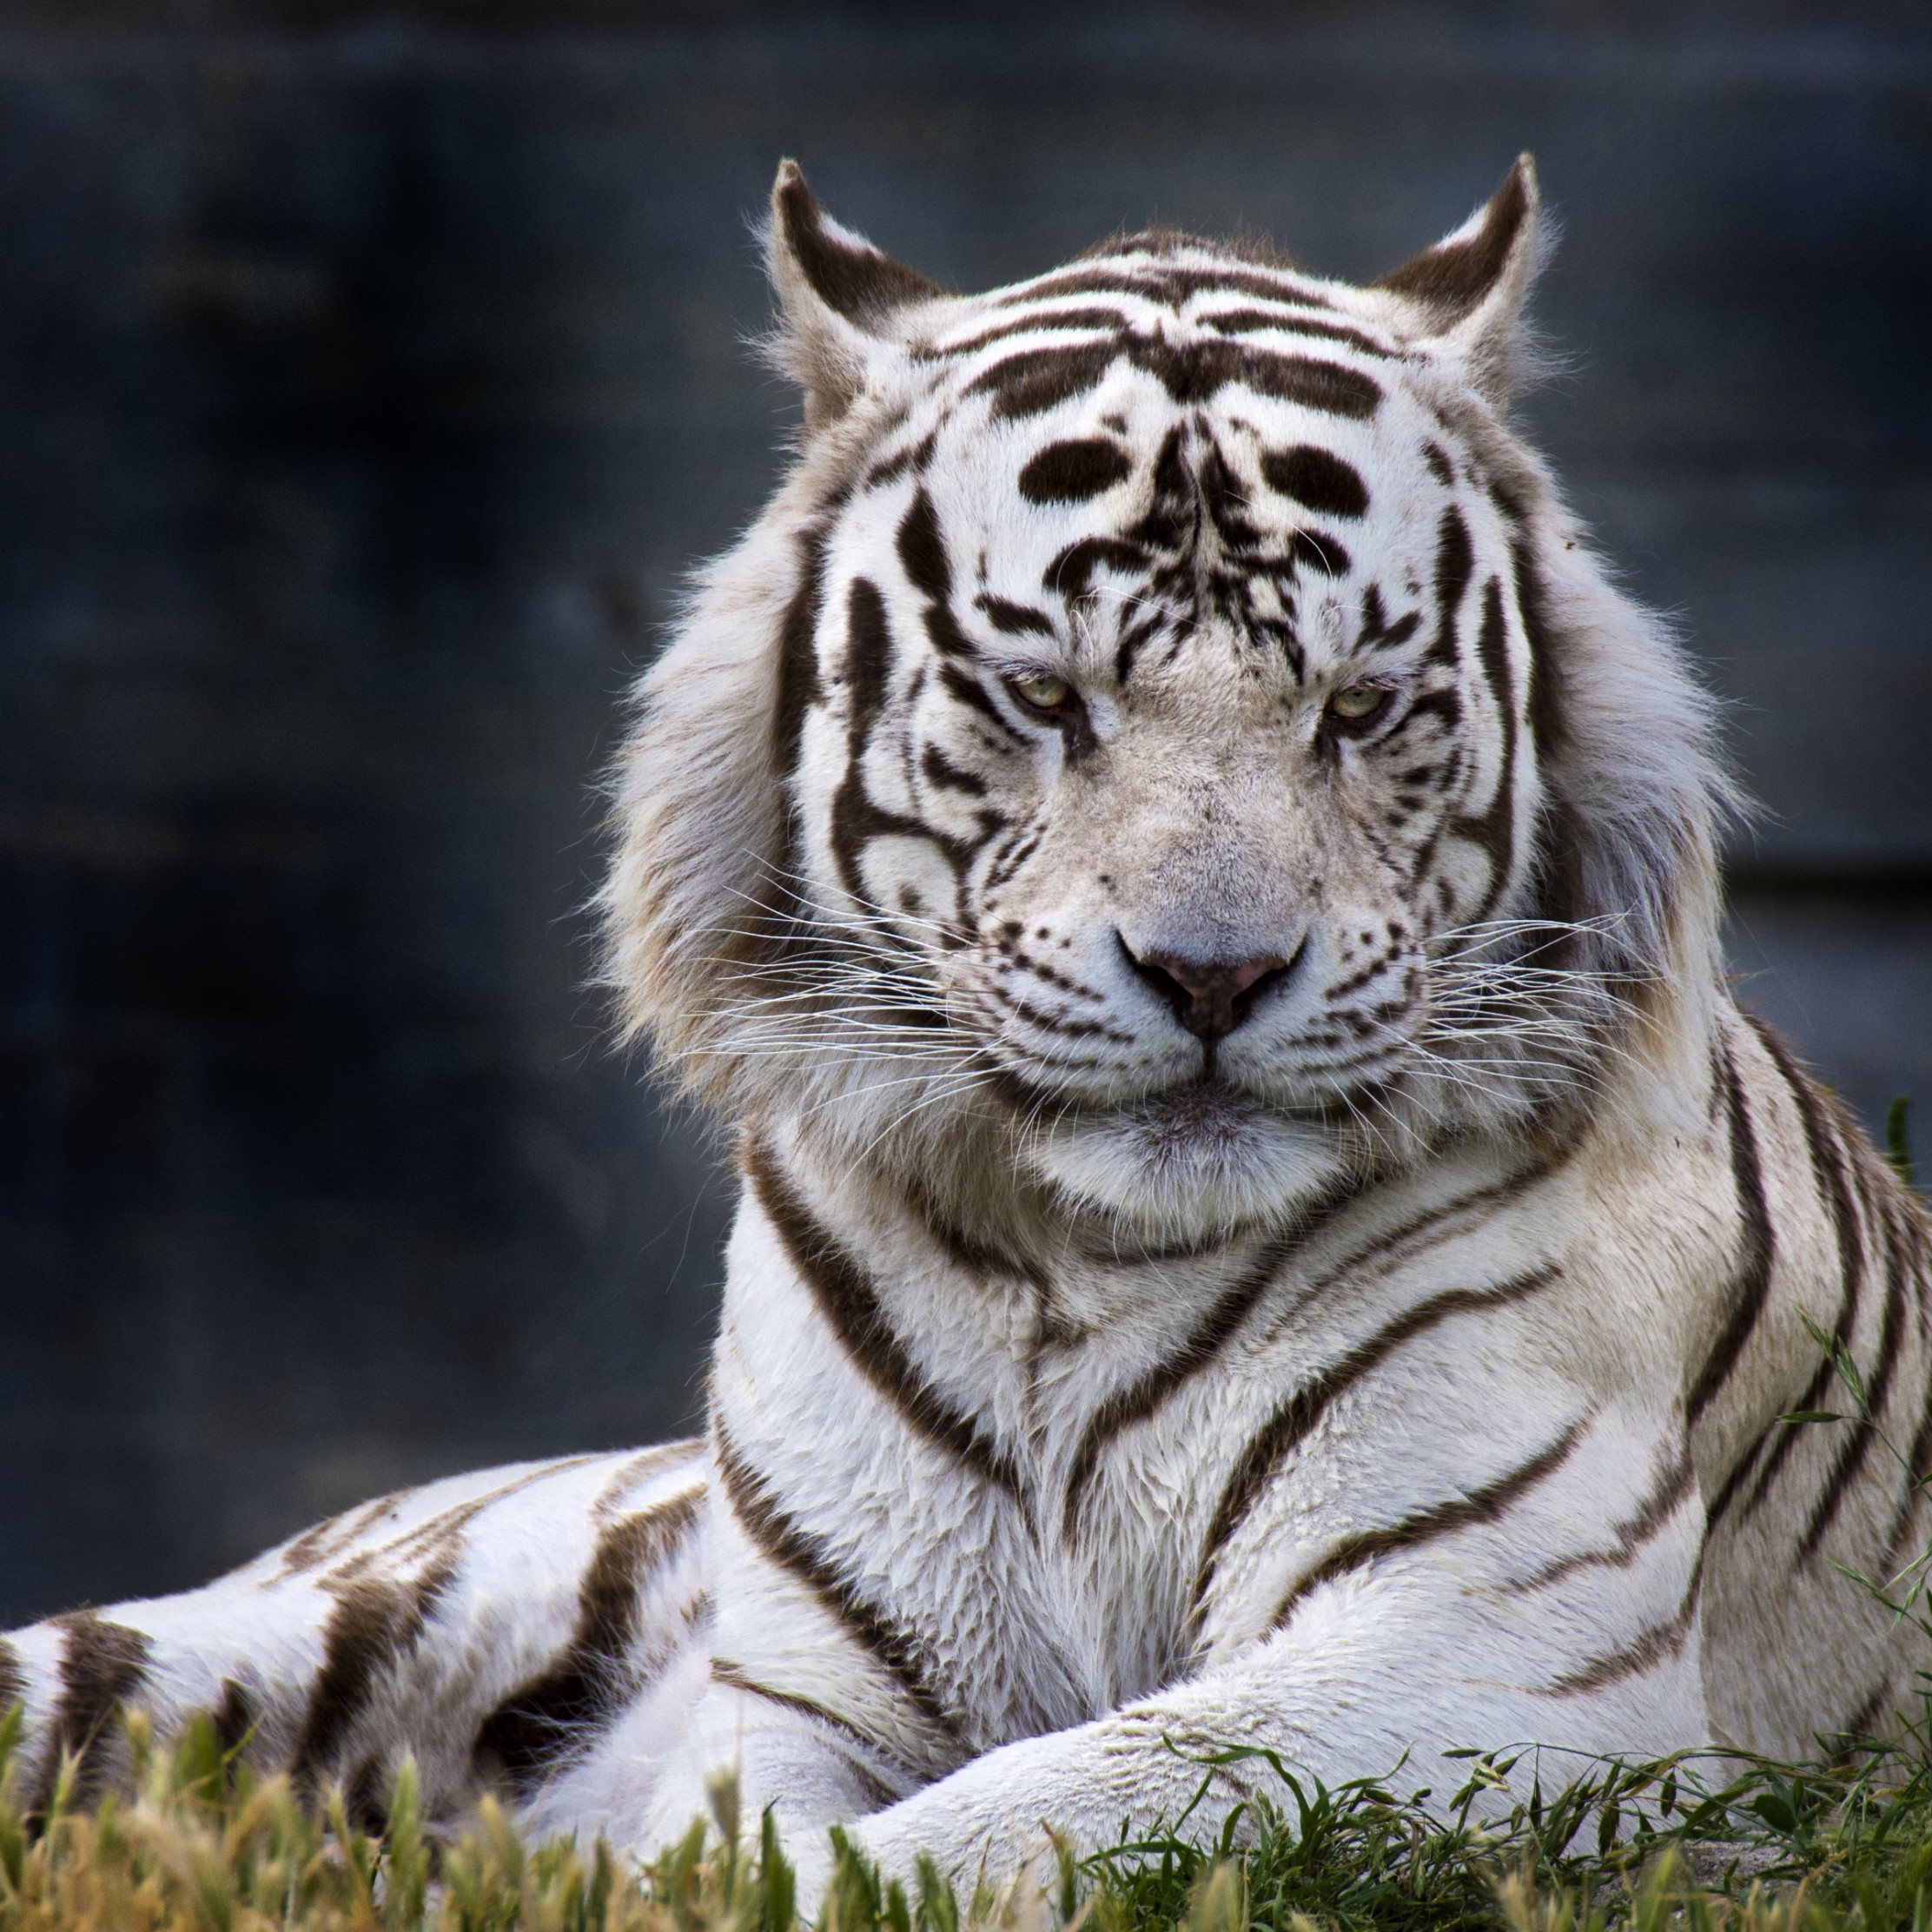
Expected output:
(1469, 290)
(838, 294)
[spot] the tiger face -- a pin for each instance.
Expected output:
(1179, 714)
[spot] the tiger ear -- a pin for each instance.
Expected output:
(1469, 290)
(838, 294)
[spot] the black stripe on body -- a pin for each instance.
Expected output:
(1481, 1505)
(845, 1295)
(1833, 1187)
(561, 1712)
(374, 1626)
(102, 1666)
(653, 1461)
(1291, 1424)
(1859, 1727)
(1857, 1442)
(1656, 1643)
(13, 1676)
(329, 1538)
(1752, 1283)
(1918, 1473)
(1665, 1497)
(235, 1717)
(1141, 1398)
(789, 1546)
(733, 1677)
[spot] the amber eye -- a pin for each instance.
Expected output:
(1355, 705)
(1040, 691)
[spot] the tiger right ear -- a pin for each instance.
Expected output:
(838, 294)
(1470, 289)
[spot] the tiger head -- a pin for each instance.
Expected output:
(1165, 735)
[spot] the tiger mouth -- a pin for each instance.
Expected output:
(1204, 1108)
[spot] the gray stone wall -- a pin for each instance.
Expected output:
(367, 379)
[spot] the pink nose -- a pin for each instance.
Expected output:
(1210, 998)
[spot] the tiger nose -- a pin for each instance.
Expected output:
(1210, 998)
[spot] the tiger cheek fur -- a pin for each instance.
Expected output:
(1262, 1224)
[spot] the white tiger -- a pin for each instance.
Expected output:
(1261, 1223)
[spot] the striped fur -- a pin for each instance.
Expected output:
(1261, 1223)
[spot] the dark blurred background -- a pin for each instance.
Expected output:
(367, 376)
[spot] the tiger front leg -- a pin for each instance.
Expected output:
(1359, 1686)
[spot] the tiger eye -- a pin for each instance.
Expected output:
(1358, 702)
(1044, 690)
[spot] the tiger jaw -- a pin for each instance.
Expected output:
(1194, 1158)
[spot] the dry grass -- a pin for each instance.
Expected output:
(199, 1845)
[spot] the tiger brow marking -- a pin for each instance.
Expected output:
(1751, 1283)
(1290, 1425)
(732, 1676)
(1479, 1506)
(789, 1546)
(1075, 470)
(846, 1297)
(102, 1666)
(1316, 479)
(1827, 1178)
(1015, 620)
(559, 1713)
(1653, 1510)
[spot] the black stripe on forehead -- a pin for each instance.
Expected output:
(1072, 472)
(1170, 285)
(1316, 479)
(1247, 321)
(1015, 620)
(1047, 321)
(1037, 379)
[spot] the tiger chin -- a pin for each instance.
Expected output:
(1261, 1222)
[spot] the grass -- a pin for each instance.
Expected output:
(199, 1844)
